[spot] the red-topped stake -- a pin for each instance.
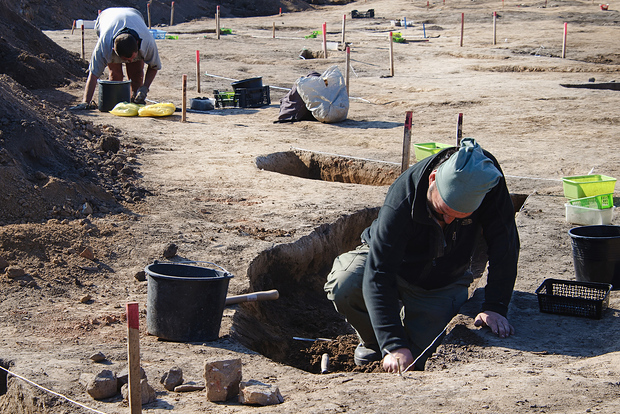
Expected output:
(198, 71)
(133, 358)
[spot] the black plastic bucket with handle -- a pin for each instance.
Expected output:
(596, 254)
(185, 302)
(113, 92)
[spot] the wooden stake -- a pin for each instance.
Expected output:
(407, 142)
(217, 23)
(184, 102)
(133, 358)
(459, 129)
(73, 27)
(462, 27)
(494, 28)
(564, 40)
(391, 54)
(198, 71)
(82, 40)
(347, 69)
(148, 11)
(273, 33)
(172, 14)
(325, 40)
(344, 25)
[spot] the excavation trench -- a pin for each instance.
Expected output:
(298, 271)
(329, 167)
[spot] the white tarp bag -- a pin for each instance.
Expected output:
(325, 96)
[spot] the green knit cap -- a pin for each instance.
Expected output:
(466, 177)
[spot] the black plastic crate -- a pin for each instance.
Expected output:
(253, 97)
(568, 297)
(243, 98)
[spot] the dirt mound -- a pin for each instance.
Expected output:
(52, 14)
(52, 165)
(31, 58)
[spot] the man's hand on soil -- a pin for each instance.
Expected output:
(140, 97)
(498, 324)
(400, 356)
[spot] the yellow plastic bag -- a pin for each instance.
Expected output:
(125, 109)
(159, 109)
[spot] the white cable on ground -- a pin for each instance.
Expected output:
(52, 392)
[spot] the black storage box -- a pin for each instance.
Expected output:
(243, 98)
(567, 297)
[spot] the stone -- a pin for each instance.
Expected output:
(172, 378)
(222, 379)
(189, 386)
(88, 253)
(170, 251)
(3, 263)
(140, 276)
(123, 376)
(148, 393)
(255, 392)
(87, 209)
(97, 357)
(85, 298)
(13, 271)
(103, 385)
(109, 143)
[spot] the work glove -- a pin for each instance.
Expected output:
(84, 106)
(141, 95)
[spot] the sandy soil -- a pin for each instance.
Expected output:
(204, 193)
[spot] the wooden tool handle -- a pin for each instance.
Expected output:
(253, 297)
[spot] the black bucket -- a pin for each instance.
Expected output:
(596, 254)
(252, 83)
(185, 303)
(113, 92)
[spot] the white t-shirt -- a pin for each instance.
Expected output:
(108, 24)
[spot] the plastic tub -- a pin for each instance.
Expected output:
(600, 201)
(587, 216)
(252, 83)
(596, 254)
(185, 303)
(581, 186)
(158, 34)
(113, 92)
(88, 24)
(427, 149)
(201, 104)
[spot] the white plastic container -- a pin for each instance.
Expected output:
(88, 24)
(588, 216)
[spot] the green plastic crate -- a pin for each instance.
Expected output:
(581, 186)
(600, 202)
(427, 149)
